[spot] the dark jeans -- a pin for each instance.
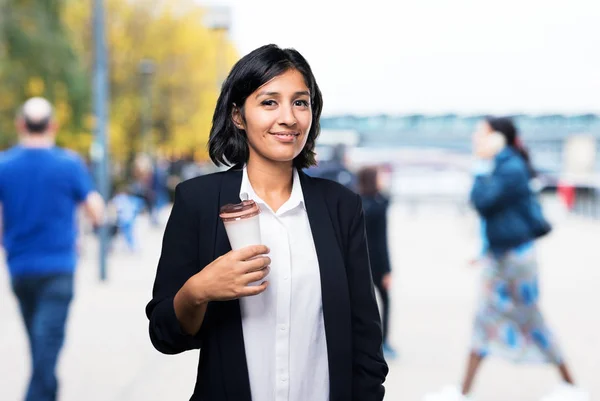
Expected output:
(385, 300)
(44, 302)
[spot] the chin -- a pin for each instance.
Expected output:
(282, 158)
(282, 154)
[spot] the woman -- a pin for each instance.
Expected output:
(311, 330)
(376, 207)
(508, 322)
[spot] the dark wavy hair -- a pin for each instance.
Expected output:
(228, 144)
(508, 129)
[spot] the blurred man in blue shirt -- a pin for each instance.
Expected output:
(41, 187)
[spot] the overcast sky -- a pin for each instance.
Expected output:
(436, 56)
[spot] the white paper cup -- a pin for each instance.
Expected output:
(243, 232)
(242, 225)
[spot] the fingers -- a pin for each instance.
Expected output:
(249, 291)
(250, 252)
(258, 263)
(255, 275)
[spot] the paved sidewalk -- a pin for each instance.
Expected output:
(108, 356)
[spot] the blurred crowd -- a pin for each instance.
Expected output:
(507, 323)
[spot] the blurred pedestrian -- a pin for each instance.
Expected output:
(312, 331)
(41, 187)
(335, 168)
(375, 205)
(160, 188)
(143, 184)
(126, 207)
(191, 168)
(508, 321)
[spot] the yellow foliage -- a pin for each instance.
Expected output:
(35, 86)
(184, 84)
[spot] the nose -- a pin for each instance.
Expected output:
(286, 116)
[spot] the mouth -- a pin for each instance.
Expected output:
(286, 136)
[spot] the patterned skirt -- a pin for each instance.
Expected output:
(508, 322)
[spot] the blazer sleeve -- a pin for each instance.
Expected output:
(368, 367)
(493, 192)
(178, 262)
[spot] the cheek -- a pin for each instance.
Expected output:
(258, 123)
(306, 121)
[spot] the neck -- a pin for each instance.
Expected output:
(37, 141)
(271, 181)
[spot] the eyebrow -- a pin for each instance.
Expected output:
(265, 93)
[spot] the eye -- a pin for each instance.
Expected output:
(301, 103)
(268, 103)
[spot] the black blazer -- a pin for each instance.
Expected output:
(195, 236)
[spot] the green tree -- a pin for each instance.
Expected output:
(46, 49)
(38, 59)
(184, 84)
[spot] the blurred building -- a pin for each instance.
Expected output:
(544, 135)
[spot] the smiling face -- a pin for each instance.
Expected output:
(277, 119)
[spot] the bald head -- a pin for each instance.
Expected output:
(36, 115)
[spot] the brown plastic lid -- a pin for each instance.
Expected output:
(238, 211)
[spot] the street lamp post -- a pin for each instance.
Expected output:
(99, 150)
(146, 70)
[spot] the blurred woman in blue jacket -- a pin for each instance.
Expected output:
(508, 322)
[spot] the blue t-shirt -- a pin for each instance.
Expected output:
(40, 189)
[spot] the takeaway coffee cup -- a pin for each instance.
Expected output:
(242, 224)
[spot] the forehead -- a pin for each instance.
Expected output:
(290, 81)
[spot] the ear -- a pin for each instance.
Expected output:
(237, 118)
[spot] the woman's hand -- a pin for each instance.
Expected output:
(228, 276)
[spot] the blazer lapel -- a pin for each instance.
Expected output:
(334, 287)
(231, 338)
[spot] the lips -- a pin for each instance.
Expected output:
(286, 136)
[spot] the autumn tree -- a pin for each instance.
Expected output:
(37, 59)
(46, 49)
(184, 84)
